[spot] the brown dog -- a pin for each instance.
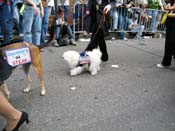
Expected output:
(35, 61)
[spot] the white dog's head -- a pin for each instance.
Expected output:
(71, 57)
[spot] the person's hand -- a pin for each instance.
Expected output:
(107, 9)
(42, 12)
(36, 10)
(118, 4)
(167, 7)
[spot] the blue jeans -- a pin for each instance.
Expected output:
(153, 14)
(32, 26)
(6, 23)
(115, 17)
(45, 22)
(138, 29)
(60, 29)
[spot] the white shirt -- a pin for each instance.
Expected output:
(64, 2)
(51, 3)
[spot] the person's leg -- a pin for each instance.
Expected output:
(94, 41)
(11, 114)
(153, 22)
(57, 32)
(27, 23)
(102, 45)
(6, 23)
(70, 35)
(44, 26)
(66, 12)
(168, 44)
(5, 90)
(36, 29)
(69, 31)
(114, 15)
(121, 23)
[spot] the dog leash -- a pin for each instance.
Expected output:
(102, 20)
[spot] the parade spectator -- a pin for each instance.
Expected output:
(120, 17)
(152, 7)
(97, 9)
(33, 14)
(17, 17)
(47, 6)
(61, 29)
(85, 20)
(66, 5)
(169, 38)
(116, 15)
(82, 19)
(6, 21)
(134, 27)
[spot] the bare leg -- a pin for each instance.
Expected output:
(11, 114)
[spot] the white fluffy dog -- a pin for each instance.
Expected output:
(73, 58)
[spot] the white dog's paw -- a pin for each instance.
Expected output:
(93, 72)
(26, 90)
(76, 71)
(73, 72)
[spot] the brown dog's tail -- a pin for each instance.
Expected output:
(50, 40)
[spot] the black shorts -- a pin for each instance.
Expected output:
(5, 69)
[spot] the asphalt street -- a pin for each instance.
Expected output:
(137, 96)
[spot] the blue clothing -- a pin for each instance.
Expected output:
(45, 22)
(153, 14)
(6, 23)
(32, 26)
(62, 30)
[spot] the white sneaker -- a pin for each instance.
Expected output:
(125, 39)
(113, 38)
(160, 65)
(21, 35)
(72, 42)
(56, 44)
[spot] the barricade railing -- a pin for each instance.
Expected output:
(146, 20)
(121, 19)
(79, 16)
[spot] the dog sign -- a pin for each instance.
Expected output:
(18, 56)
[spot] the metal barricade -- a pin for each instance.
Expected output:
(145, 20)
(134, 19)
(79, 16)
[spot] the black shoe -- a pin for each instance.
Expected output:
(104, 59)
(24, 118)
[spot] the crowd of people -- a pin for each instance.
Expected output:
(127, 16)
(35, 16)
